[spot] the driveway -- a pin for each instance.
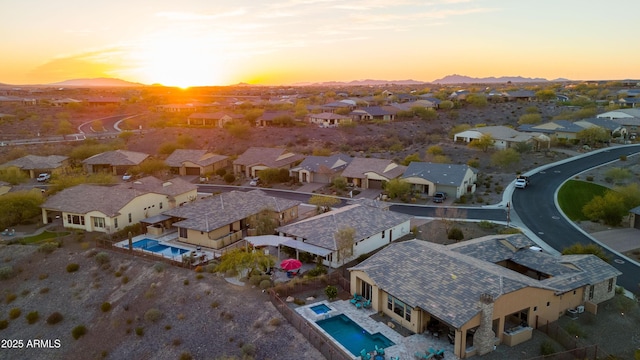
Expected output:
(621, 240)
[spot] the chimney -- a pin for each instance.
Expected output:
(484, 337)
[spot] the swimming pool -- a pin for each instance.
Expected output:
(156, 247)
(320, 309)
(353, 337)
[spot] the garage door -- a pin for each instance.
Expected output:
(192, 171)
(636, 222)
(375, 184)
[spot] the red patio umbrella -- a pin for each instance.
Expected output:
(290, 264)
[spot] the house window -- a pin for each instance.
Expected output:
(365, 290)
(183, 233)
(115, 223)
(399, 308)
(97, 222)
(535, 308)
(548, 303)
(130, 219)
(329, 257)
(383, 234)
(610, 286)
(160, 205)
(75, 219)
(591, 292)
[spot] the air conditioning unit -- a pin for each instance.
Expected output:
(580, 309)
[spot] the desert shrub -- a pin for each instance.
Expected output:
(106, 306)
(248, 349)
(589, 178)
(331, 292)
(6, 272)
(159, 267)
(4, 323)
(78, 331)
(317, 271)
(44, 290)
(215, 304)
(226, 315)
(14, 313)
(619, 290)
(229, 178)
(509, 230)
(221, 172)
(265, 284)
(487, 225)
(48, 247)
(10, 297)
(547, 348)
(186, 282)
(299, 301)
(186, 356)
(275, 322)
(54, 318)
(43, 276)
(255, 280)
(574, 329)
(73, 267)
(102, 258)
(199, 277)
(623, 157)
(176, 342)
(140, 331)
(230, 273)
(125, 279)
(455, 234)
(199, 269)
(210, 268)
(32, 317)
(153, 315)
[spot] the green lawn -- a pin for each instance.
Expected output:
(43, 236)
(573, 195)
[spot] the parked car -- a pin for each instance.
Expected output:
(521, 182)
(126, 177)
(43, 177)
(254, 182)
(439, 197)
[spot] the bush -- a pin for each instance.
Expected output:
(317, 271)
(275, 322)
(32, 317)
(10, 297)
(78, 331)
(4, 323)
(331, 292)
(229, 178)
(140, 331)
(106, 306)
(159, 267)
(153, 315)
(14, 313)
(265, 284)
(547, 348)
(487, 225)
(73, 267)
(102, 258)
(48, 247)
(186, 356)
(455, 234)
(221, 172)
(248, 349)
(54, 318)
(6, 272)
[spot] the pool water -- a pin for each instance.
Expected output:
(320, 309)
(156, 247)
(353, 337)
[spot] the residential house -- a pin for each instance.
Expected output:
(104, 100)
(428, 178)
(481, 292)
(371, 173)
(65, 102)
(328, 120)
(196, 162)
(116, 162)
(634, 217)
(109, 209)
(520, 95)
(374, 228)
(187, 108)
(504, 137)
(221, 220)
(32, 165)
(629, 118)
(320, 169)
(267, 118)
(382, 113)
(217, 119)
(560, 129)
(332, 107)
(614, 128)
(256, 159)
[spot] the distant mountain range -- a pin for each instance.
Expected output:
(107, 82)
(462, 79)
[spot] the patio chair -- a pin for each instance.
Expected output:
(367, 304)
(379, 350)
(420, 355)
(356, 299)
(364, 355)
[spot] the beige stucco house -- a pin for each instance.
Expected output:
(482, 292)
(328, 120)
(196, 162)
(109, 209)
(428, 178)
(33, 165)
(115, 162)
(370, 173)
(504, 137)
(221, 220)
(320, 169)
(256, 159)
(216, 119)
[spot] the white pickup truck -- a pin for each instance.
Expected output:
(43, 177)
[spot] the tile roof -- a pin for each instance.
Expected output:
(270, 157)
(332, 163)
(35, 162)
(223, 209)
(367, 221)
(198, 157)
(452, 278)
(117, 158)
(359, 166)
(441, 174)
(173, 187)
(85, 198)
(328, 116)
(215, 115)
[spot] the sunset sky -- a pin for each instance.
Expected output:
(276, 42)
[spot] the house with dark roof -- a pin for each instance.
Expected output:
(328, 120)
(111, 208)
(482, 292)
(320, 169)
(373, 228)
(520, 95)
(216, 119)
(428, 178)
(560, 129)
(504, 137)
(268, 117)
(115, 162)
(382, 113)
(195, 162)
(370, 173)
(634, 217)
(222, 220)
(33, 165)
(256, 159)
